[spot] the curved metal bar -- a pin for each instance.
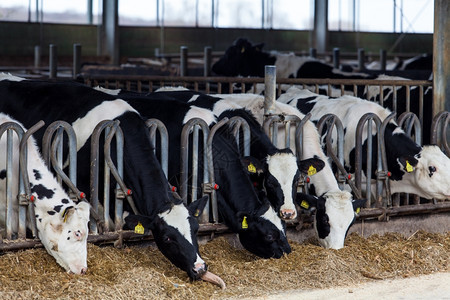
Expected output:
(215, 209)
(332, 121)
(184, 153)
(299, 135)
(153, 125)
(368, 117)
(441, 119)
(382, 169)
(408, 121)
(11, 127)
(238, 123)
(50, 156)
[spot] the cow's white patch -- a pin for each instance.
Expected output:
(340, 212)
(108, 91)
(193, 98)
(271, 216)
(178, 217)
(171, 89)
(287, 64)
(10, 77)
(202, 113)
(107, 110)
(283, 166)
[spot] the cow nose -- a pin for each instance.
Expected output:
(200, 268)
(83, 271)
(287, 214)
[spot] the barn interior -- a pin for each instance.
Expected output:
(101, 46)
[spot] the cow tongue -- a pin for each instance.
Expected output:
(214, 279)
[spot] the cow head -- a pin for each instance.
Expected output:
(335, 213)
(175, 233)
(427, 174)
(263, 233)
(64, 235)
(279, 174)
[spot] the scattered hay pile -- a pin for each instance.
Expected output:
(144, 273)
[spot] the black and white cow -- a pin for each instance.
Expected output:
(62, 224)
(172, 223)
(424, 171)
(242, 208)
(331, 230)
(245, 59)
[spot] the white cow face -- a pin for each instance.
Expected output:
(430, 177)
(335, 213)
(65, 237)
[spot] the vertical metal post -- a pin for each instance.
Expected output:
(441, 56)
(382, 59)
(37, 56)
(336, 62)
(313, 52)
(90, 18)
(269, 93)
(183, 60)
(361, 59)
(76, 60)
(53, 61)
(207, 61)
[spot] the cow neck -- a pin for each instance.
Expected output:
(50, 198)
(143, 173)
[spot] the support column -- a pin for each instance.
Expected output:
(320, 31)
(441, 57)
(110, 30)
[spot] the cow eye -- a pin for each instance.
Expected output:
(432, 169)
(269, 238)
(167, 239)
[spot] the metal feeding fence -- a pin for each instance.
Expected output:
(104, 228)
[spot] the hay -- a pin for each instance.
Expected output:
(144, 273)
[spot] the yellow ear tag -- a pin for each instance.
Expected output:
(358, 210)
(409, 168)
(242, 50)
(244, 223)
(251, 168)
(197, 213)
(304, 204)
(311, 170)
(139, 229)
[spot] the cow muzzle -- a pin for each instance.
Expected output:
(288, 214)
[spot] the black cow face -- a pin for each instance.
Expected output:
(263, 233)
(175, 233)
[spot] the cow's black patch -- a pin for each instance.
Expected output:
(57, 208)
(65, 201)
(42, 192)
(51, 212)
(37, 174)
(3, 174)
(40, 220)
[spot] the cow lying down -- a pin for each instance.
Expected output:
(62, 224)
(421, 170)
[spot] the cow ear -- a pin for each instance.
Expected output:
(408, 163)
(140, 224)
(306, 201)
(197, 207)
(259, 47)
(311, 166)
(83, 208)
(358, 204)
(252, 165)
